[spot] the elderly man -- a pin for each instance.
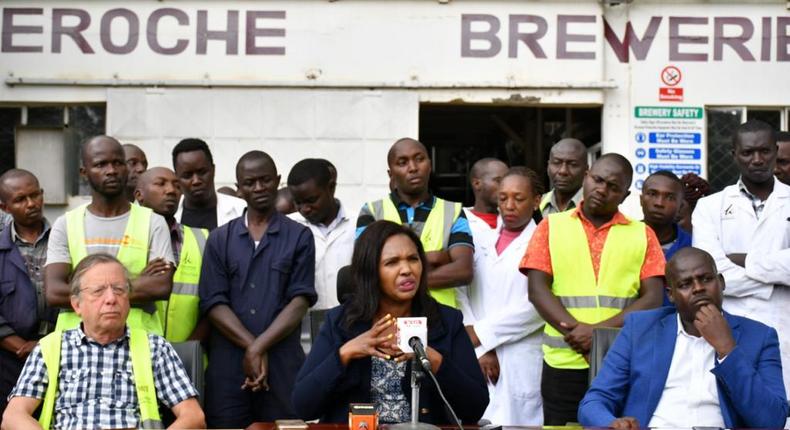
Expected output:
(102, 374)
(566, 168)
(689, 365)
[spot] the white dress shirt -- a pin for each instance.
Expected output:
(334, 245)
(690, 397)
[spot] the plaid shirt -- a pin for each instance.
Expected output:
(35, 256)
(757, 204)
(96, 383)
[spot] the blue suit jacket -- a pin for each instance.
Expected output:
(634, 373)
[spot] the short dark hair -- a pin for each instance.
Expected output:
(753, 126)
(669, 175)
(316, 169)
(391, 152)
(13, 174)
(530, 175)
(622, 161)
(191, 144)
(682, 254)
(253, 156)
(87, 141)
(366, 284)
(783, 136)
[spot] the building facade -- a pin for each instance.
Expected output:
(664, 83)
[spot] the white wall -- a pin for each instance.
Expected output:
(352, 129)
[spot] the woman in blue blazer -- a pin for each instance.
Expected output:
(355, 359)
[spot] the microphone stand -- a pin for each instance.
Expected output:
(415, 424)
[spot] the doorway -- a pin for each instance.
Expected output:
(458, 135)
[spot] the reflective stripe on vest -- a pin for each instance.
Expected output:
(180, 313)
(587, 299)
(140, 352)
(133, 253)
(434, 233)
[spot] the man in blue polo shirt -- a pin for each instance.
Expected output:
(661, 199)
(256, 284)
(441, 225)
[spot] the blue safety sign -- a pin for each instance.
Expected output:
(640, 152)
(676, 168)
(640, 168)
(640, 137)
(639, 183)
(675, 154)
(673, 137)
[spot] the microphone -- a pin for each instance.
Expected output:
(419, 352)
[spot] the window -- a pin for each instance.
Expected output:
(457, 135)
(722, 123)
(73, 123)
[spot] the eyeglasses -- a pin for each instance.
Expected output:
(117, 290)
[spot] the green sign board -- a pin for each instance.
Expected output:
(668, 112)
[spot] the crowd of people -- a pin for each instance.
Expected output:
(513, 289)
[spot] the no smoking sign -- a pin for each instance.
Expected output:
(671, 76)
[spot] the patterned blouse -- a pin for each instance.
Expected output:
(386, 391)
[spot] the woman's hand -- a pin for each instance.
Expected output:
(369, 343)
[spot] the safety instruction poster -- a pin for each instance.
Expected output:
(667, 138)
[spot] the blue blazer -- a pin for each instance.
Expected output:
(634, 373)
(324, 387)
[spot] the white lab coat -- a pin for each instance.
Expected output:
(496, 304)
(725, 223)
(332, 252)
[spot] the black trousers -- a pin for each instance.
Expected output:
(562, 390)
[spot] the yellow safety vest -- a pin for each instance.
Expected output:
(587, 299)
(434, 233)
(133, 253)
(141, 367)
(545, 200)
(180, 313)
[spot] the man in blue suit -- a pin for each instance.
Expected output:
(692, 365)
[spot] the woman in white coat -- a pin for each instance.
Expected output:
(504, 327)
